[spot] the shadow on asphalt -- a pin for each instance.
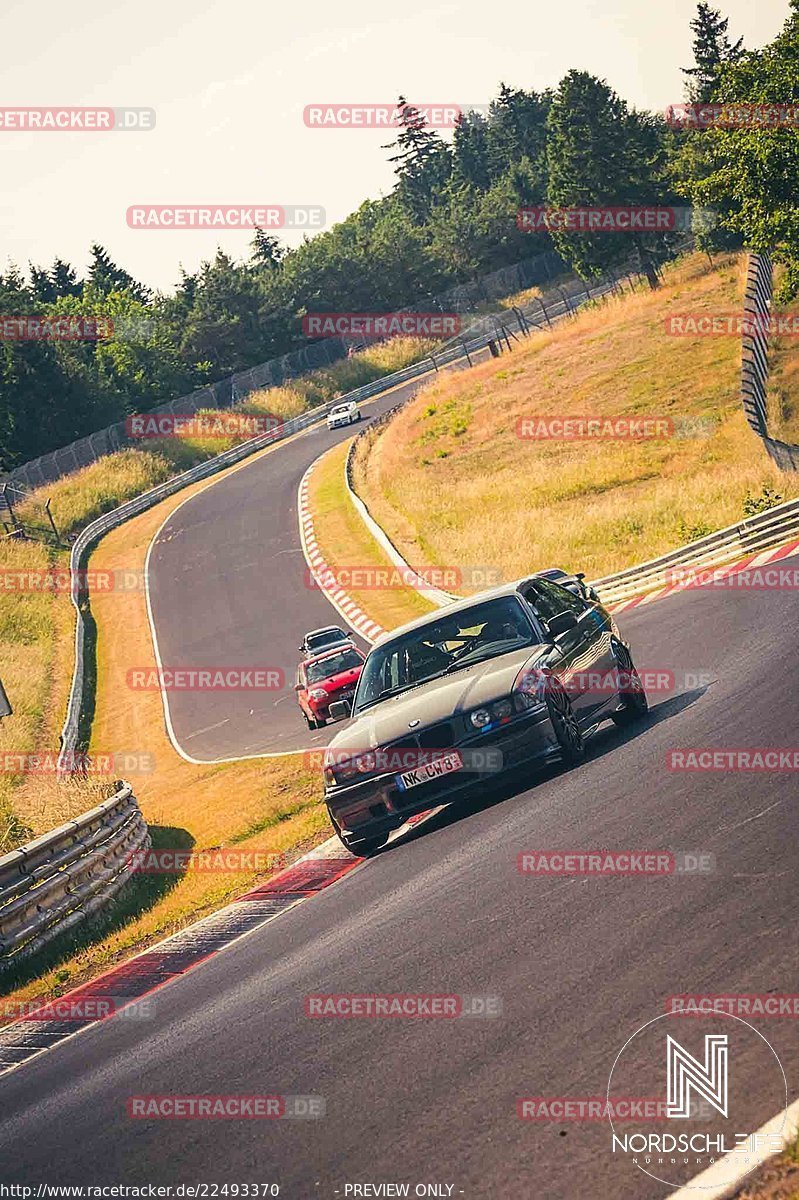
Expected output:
(607, 739)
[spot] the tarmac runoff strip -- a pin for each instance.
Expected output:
(716, 1182)
(129, 983)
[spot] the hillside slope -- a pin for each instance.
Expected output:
(454, 484)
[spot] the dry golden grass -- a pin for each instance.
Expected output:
(783, 384)
(271, 805)
(86, 494)
(451, 482)
(36, 639)
(345, 542)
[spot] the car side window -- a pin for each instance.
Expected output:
(549, 600)
(561, 598)
(541, 604)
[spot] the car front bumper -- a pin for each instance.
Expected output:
(372, 806)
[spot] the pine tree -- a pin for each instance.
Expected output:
(266, 250)
(41, 284)
(602, 154)
(712, 48)
(422, 162)
(470, 151)
(64, 280)
(105, 276)
(517, 129)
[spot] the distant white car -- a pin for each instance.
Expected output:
(343, 414)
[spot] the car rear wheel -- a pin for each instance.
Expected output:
(632, 696)
(361, 847)
(566, 726)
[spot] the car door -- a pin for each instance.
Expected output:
(302, 689)
(583, 657)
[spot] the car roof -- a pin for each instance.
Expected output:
(449, 610)
(314, 658)
(325, 629)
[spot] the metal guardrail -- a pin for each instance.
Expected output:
(769, 529)
(313, 356)
(755, 363)
(59, 880)
(462, 348)
(139, 504)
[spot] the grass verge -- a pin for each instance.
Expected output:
(451, 482)
(36, 650)
(352, 553)
(269, 805)
(85, 495)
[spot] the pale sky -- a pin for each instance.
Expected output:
(229, 80)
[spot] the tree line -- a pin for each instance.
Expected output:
(451, 217)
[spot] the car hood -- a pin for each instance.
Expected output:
(332, 682)
(437, 700)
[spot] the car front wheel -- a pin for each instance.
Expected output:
(566, 726)
(632, 695)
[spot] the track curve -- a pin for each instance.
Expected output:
(227, 587)
(579, 964)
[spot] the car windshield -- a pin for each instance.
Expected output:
(317, 641)
(443, 646)
(342, 408)
(333, 665)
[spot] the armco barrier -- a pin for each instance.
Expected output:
(772, 528)
(754, 360)
(769, 529)
(459, 350)
(52, 884)
(110, 520)
(277, 371)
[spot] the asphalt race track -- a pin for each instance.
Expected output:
(229, 588)
(578, 963)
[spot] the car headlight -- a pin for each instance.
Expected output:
(529, 688)
(496, 713)
(317, 694)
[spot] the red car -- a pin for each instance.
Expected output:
(324, 678)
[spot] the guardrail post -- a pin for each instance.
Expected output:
(56, 534)
(466, 351)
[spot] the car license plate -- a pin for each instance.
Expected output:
(432, 770)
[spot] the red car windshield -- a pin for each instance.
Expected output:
(334, 664)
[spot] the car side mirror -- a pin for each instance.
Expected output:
(562, 623)
(340, 709)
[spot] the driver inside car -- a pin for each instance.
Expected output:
(424, 659)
